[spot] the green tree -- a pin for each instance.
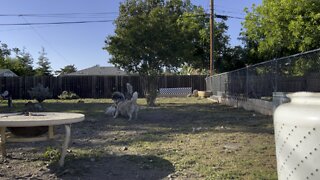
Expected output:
(66, 70)
(196, 28)
(44, 68)
(4, 53)
(281, 27)
(25, 61)
(149, 39)
(20, 62)
(156, 35)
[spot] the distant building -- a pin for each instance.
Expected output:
(98, 71)
(7, 73)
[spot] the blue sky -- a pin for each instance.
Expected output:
(81, 44)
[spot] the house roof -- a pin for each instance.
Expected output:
(98, 71)
(5, 72)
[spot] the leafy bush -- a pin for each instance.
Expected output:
(40, 93)
(68, 95)
(51, 154)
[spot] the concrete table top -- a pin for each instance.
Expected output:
(39, 119)
(32, 119)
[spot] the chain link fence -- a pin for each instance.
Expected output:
(299, 72)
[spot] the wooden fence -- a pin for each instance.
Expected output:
(93, 86)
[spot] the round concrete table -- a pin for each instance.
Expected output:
(32, 119)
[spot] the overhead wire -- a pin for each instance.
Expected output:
(46, 41)
(58, 14)
(99, 21)
(54, 23)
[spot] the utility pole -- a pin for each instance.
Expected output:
(211, 37)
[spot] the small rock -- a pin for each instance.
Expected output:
(69, 151)
(172, 176)
(125, 148)
(35, 177)
(115, 139)
(231, 147)
(9, 167)
(28, 175)
(41, 169)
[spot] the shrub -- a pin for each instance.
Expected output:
(68, 95)
(40, 93)
(51, 154)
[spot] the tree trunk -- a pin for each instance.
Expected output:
(151, 89)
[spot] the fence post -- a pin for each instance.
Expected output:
(276, 76)
(247, 82)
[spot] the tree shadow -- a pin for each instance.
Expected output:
(113, 167)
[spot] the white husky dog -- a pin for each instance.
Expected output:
(127, 107)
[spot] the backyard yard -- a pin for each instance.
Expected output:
(181, 138)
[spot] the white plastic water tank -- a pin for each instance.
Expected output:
(297, 137)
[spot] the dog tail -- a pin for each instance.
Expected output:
(134, 96)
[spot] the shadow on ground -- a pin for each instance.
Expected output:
(123, 167)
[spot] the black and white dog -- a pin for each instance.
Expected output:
(128, 107)
(124, 105)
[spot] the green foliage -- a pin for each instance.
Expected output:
(4, 50)
(186, 69)
(51, 154)
(21, 63)
(40, 93)
(195, 27)
(303, 66)
(153, 35)
(68, 95)
(66, 70)
(279, 28)
(44, 68)
(147, 35)
(148, 39)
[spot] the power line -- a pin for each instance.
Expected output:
(230, 12)
(46, 41)
(57, 14)
(90, 21)
(227, 16)
(54, 23)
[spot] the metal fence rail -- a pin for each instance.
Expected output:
(299, 72)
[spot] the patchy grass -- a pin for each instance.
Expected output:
(182, 138)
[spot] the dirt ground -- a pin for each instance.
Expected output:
(176, 140)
